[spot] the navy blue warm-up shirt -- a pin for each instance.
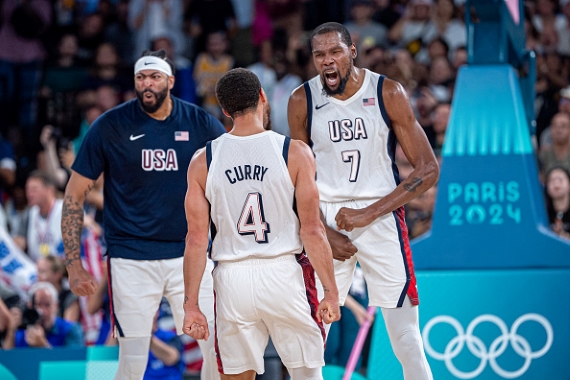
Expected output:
(145, 162)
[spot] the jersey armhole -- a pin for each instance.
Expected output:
(381, 101)
(309, 110)
(286, 144)
(209, 154)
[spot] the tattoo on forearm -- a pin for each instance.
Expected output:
(325, 289)
(71, 226)
(413, 184)
(185, 299)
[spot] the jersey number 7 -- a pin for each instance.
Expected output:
(252, 220)
(352, 156)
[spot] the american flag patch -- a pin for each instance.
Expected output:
(369, 101)
(181, 136)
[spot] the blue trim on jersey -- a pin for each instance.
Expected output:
(309, 111)
(209, 154)
(286, 150)
(381, 101)
(392, 140)
(404, 258)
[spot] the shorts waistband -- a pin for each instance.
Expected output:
(254, 261)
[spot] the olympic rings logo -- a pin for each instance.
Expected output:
(498, 346)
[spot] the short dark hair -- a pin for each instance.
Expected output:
(43, 176)
(332, 27)
(238, 91)
(159, 54)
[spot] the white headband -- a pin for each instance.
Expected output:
(153, 63)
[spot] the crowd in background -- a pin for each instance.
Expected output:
(65, 62)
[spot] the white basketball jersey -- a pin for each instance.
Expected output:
(353, 142)
(252, 197)
(44, 234)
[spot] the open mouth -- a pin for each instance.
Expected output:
(331, 77)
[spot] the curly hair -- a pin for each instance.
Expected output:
(238, 92)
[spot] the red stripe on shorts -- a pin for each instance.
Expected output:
(412, 291)
(311, 289)
(216, 347)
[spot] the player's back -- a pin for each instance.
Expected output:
(252, 197)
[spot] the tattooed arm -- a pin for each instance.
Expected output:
(416, 147)
(80, 281)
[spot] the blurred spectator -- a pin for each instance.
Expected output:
(184, 86)
(90, 35)
(557, 154)
(52, 141)
(204, 17)
(63, 77)
(459, 58)
(262, 26)
(118, 32)
(386, 12)
(242, 39)
(419, 213)
(89, 116)
(48, 330)
(41, 234)
(413, 28)
(107, 69)
(21, 58)
(440, 120)
(52, 269)
(547, 16)
(374, 58)
(563, 47)
(5, 318)
(558, 200)
(263, 68)
(99, 302)
(210, 66)
(286, 83)
(16, 207)
(436, 48)
(551, 77)
(364, 31)
(165, 355)
(441, 79)
(150, 19)
(7, 171)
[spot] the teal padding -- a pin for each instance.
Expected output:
(5, 374)
(62, 370)
(333, 372)
(488, 115)
(99, 353)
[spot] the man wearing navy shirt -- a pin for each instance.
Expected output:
(143, 148)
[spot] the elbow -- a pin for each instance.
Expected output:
(313, 232)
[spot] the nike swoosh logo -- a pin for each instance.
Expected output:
(321, 106)
(133, 138)
(148, 63)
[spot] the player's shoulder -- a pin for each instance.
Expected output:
(298, 148)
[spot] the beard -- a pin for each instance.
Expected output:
(327, 91)
(159, 96)
(267, 117)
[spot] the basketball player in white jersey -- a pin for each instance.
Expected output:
(258, 190)
(353, 118)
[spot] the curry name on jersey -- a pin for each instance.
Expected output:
(251, 196)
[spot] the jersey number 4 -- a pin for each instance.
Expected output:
(352, 156)
(252, 220)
